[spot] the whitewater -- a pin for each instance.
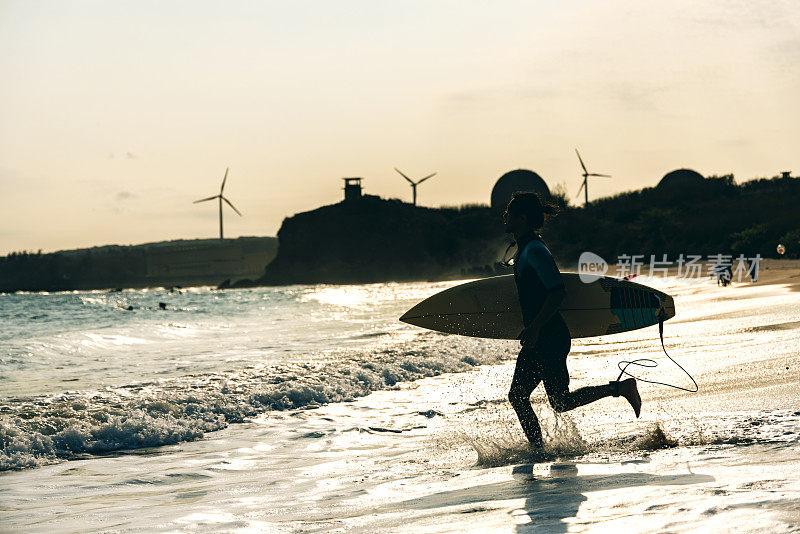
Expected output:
(312, 408)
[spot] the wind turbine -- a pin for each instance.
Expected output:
(585, 184)
(221, 198)
(413, 183)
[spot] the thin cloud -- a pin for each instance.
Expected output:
(636, 96)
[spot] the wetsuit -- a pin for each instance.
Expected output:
(535, 273)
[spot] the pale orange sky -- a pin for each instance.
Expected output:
(115, 116)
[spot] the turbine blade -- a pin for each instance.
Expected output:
(603, 175)
(204, 199)
(429, 176)
(581, 189)
(404, 176)
(223, 181)
(232, 206)
(581, 160)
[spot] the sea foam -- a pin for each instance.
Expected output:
(44, 429)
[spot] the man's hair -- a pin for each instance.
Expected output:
(529, 204)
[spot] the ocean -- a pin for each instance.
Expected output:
(312, 408)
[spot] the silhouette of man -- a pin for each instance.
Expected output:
(545, 339)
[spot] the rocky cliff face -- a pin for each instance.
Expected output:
(376, 240)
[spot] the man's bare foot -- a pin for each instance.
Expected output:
(628, 389)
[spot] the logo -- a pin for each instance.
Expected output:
(590, 267)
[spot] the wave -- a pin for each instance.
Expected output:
(38, 430)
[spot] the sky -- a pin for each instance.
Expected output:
(116, 116)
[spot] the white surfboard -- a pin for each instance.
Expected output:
(490, 307)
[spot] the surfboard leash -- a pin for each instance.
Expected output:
(647, 362)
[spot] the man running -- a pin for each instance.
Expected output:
(545, 339)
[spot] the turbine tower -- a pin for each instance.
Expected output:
(414, 184)
(585, 184)
(221, 198)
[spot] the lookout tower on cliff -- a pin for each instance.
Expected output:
(352, 188)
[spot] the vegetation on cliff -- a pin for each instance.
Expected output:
(716, 216)
(372, 239)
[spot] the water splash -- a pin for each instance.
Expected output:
(504, 446)
(654, 439)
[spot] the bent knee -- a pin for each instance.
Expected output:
(559, 404)
(517, 396)
(513, 396)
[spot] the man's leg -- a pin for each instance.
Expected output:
(556, 383)
(527, 375)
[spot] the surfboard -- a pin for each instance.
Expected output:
(490, 307)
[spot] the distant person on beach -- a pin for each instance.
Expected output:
(545, 339)
(722, 272)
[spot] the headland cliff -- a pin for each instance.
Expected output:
(370, 239)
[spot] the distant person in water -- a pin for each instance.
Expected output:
(545, 339)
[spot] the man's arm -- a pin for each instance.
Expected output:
(552, 301)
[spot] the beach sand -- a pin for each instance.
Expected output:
(785, 272)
